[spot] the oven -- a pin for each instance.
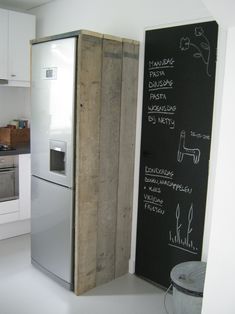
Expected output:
(9, 178)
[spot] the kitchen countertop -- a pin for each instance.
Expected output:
(19, 149)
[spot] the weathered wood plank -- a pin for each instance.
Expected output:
(113, 38)
(106, 111)
(126, 156)
(109, 153)
(87, 160)
(91, 33)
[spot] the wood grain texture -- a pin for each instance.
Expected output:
(126, 156)
(109, 154)
(87, 161)
(107, 73)
(91, 33)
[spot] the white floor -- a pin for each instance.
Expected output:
(25, 290)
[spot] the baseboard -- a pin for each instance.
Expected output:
(14, 229)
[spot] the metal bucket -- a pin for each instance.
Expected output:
(188, 284)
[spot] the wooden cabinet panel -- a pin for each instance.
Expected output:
(106, 113)
(109, 159)
(87, 161)
(126, 156)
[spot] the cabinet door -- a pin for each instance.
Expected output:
(4, 44)
(25, 186)
(21, 31)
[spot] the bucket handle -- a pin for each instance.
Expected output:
(168, 289)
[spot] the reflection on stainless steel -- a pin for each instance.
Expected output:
(52, 152)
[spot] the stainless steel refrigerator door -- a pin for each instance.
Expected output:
(51, 235)
(52, 116)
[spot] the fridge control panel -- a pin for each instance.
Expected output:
(49, 73)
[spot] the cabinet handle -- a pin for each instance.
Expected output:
(13, 75)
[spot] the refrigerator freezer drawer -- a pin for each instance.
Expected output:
(51, 238)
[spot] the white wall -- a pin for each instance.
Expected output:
(222, 10)
(129, 19)
(121, 18)
(14, 104)
(219, 285)
(124, 19)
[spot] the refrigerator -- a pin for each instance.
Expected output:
(52, 152)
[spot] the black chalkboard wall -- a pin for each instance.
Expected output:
(179, 80)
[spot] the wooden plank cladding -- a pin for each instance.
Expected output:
(126, 157)
(107, 75)
(109, 159)
(87, 160)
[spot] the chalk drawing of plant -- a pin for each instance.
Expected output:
(190, 218)
(178, 226)
(203, 51)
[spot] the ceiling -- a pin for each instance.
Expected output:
(22, 5)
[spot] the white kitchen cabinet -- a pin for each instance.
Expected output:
(24, 186)
(4, 44)
(15, 214)
(9, 211)
(17, 29)
(21, 31)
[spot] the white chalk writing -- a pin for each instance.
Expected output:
(154, 208)
(164, 63)
(155, 189)
(200, 136)
(161, 84)
(153, 199)
(174, 186)
(168, 109)
(156, 96)
(162, 120)
(156, 73)
(159, 171)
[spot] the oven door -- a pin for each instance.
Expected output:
(8, 184)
